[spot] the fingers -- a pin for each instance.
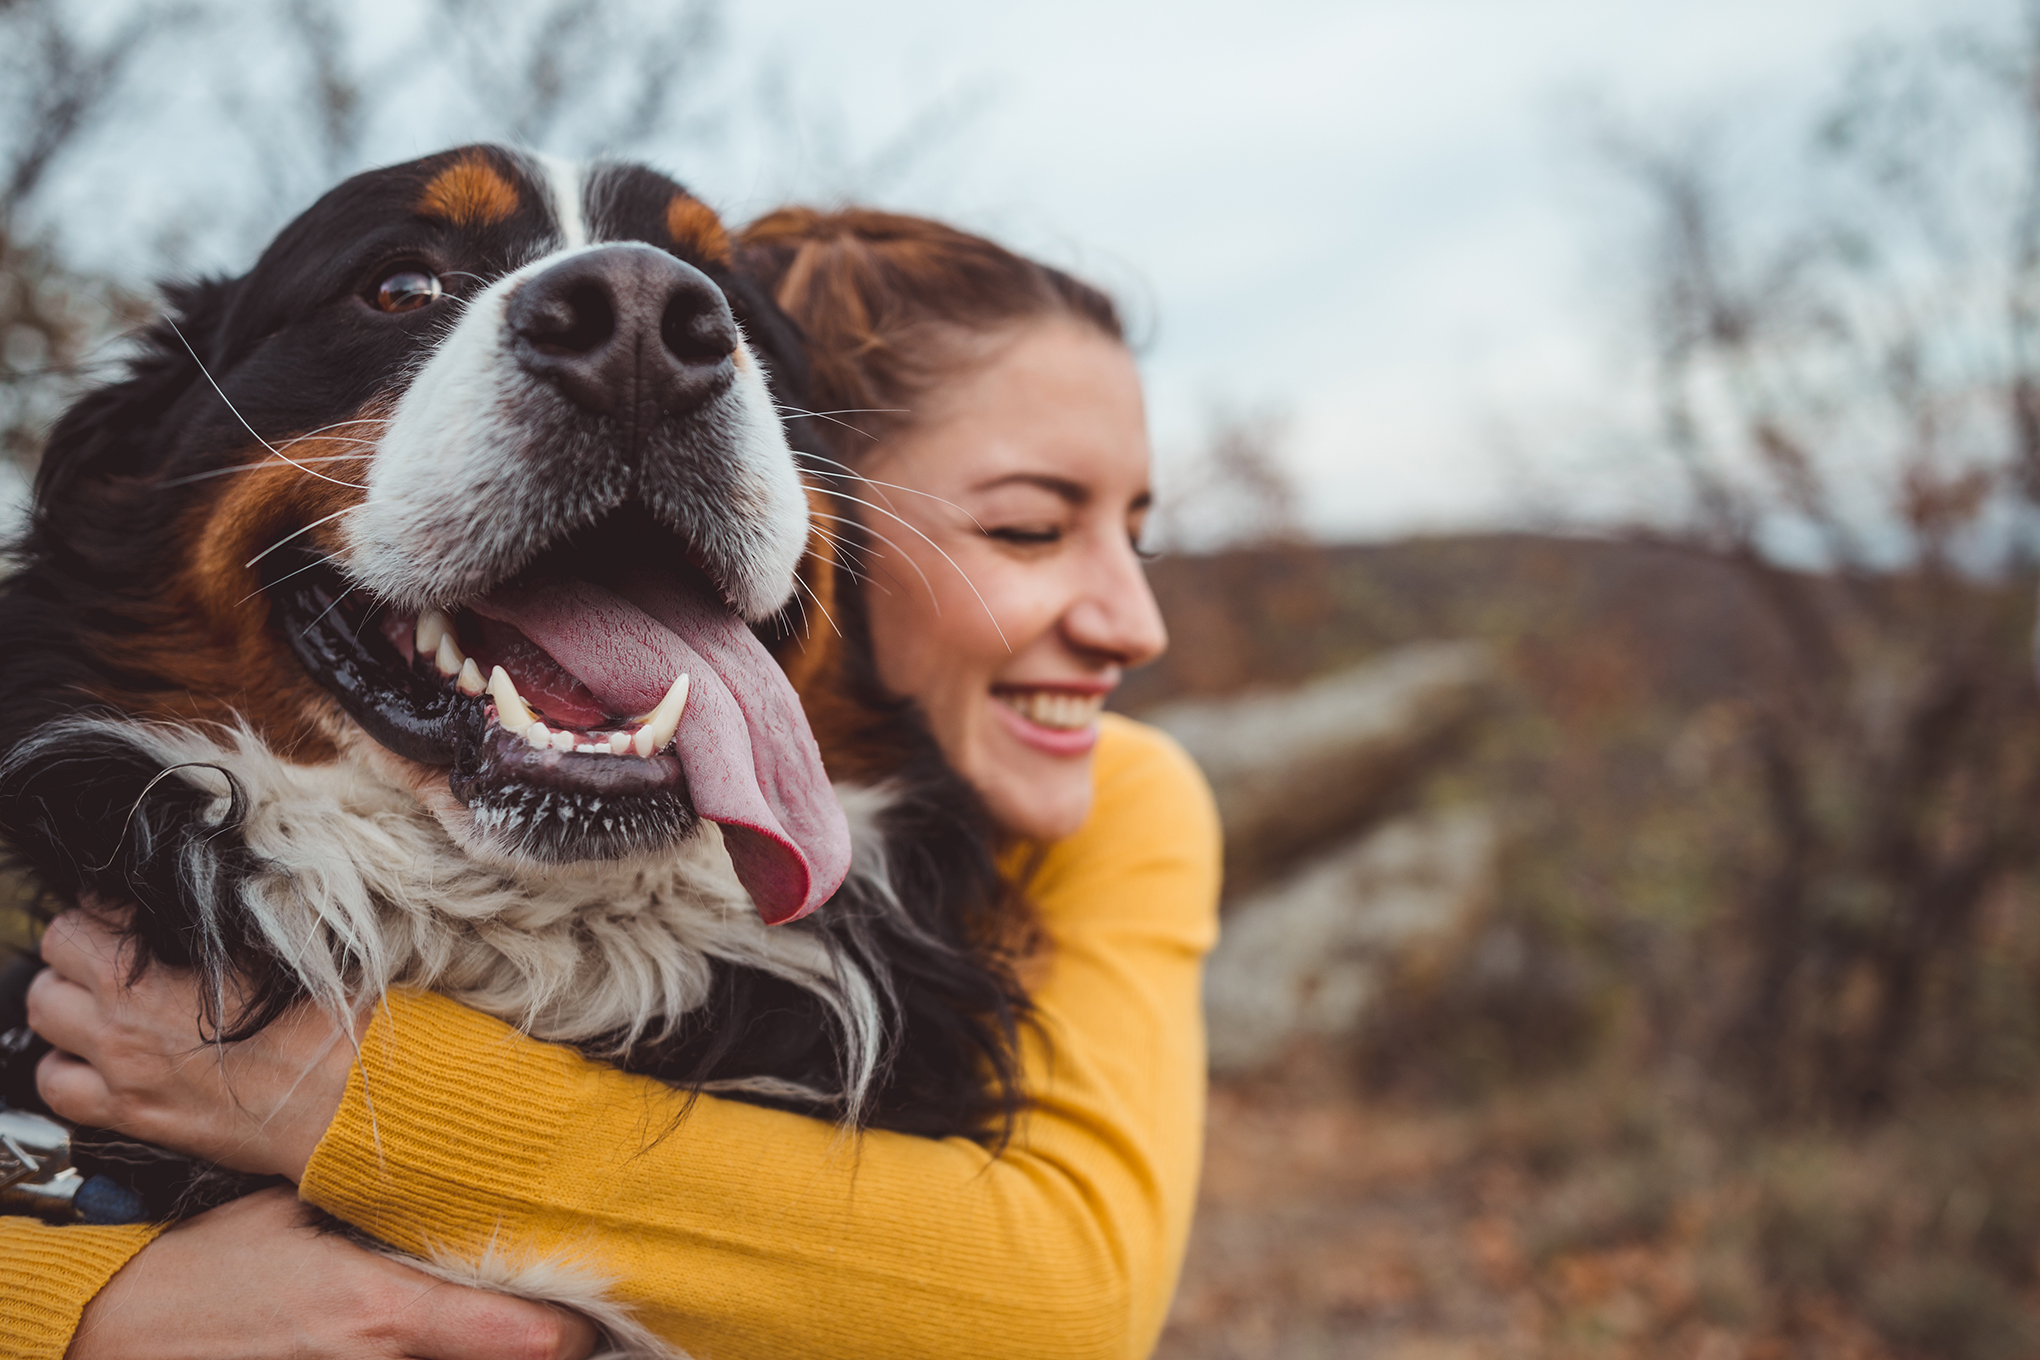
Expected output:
(83, 949)
(62, 1011)
(74, 1090)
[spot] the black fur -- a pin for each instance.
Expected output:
(92, 814)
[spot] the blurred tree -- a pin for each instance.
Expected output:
(57, 80)
(1236, 490)
(1263, 593)
(1848, 375)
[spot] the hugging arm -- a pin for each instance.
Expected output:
(745, 1231)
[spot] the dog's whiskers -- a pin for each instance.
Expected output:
(296, 532)
(251, 467)
(319, 561)
(244, 420)
(818, 604)
(890, 543)
(327, 610)
(806, 627)
(853, 474)
(830, 416)
(849, 550)
(916, 531)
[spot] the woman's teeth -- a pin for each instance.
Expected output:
(1054, 707)
(649, 735)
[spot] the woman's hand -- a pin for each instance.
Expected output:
(252, 1280)
(134, 1058)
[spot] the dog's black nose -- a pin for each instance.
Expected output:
(626, 330)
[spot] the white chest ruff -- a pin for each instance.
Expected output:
(360, 888)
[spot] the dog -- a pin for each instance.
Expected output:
(437, 605)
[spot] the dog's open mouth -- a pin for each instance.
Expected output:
(598, 704)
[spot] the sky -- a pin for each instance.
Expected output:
(1376, 221)
(1378, 218)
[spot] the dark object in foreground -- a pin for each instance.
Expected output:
(54, 1170)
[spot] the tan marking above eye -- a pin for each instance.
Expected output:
(695, 228)
(470, 192)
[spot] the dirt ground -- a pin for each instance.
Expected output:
(1333, 1226)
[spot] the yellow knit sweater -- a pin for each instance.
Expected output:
(750, 1232)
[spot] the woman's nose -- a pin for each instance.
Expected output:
(1114, 612)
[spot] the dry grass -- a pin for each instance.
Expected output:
(1596, 1218)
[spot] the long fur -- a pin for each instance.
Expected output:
(287, 857)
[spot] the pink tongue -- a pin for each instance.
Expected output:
(751, 762)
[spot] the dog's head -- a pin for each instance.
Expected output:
(478, 462)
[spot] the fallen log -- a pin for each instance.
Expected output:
(1298, 770)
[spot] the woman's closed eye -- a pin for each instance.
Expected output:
(1026, 535)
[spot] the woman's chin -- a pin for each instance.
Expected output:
(1032, 794)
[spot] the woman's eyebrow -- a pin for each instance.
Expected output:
(1076, 493)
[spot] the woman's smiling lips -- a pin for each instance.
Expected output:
(1061, 720)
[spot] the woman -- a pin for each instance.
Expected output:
(992, 415)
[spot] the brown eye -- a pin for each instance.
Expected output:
(407, 289)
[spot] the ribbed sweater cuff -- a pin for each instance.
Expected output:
(407, 1159)
(47, 1276)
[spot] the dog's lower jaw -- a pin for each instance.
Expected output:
(483, 837)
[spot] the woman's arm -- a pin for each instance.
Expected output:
(744, 1231)
(251, 1280)
(47, 1276)
(748, 1231)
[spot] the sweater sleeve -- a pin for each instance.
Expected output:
(742, 1231)
(47, 1276)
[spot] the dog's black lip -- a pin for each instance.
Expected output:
(340, 645)
(554, 806)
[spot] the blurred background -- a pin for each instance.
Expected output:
(1599, 455)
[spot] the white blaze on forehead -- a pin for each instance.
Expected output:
(565, 182)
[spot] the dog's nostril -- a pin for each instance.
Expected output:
(625, 330)
(574, 320)
(694, 333)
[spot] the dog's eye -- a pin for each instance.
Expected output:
(407, 289)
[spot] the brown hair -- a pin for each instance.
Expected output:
(890, 303)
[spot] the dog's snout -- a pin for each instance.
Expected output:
(627, 331)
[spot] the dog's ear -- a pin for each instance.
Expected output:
(112, 431)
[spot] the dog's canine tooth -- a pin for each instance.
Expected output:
(470, 682)
(433, 625)
(510, 709)
(448, 658)
(665, 719)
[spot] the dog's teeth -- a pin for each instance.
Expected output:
(470, 682)
(510, 709)
(619, 742)
(641, 742)
(448, 657)
(433, 625)
(538, 735)
(563, 741)
(665, 719)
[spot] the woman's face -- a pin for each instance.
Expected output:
(1009, 598)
